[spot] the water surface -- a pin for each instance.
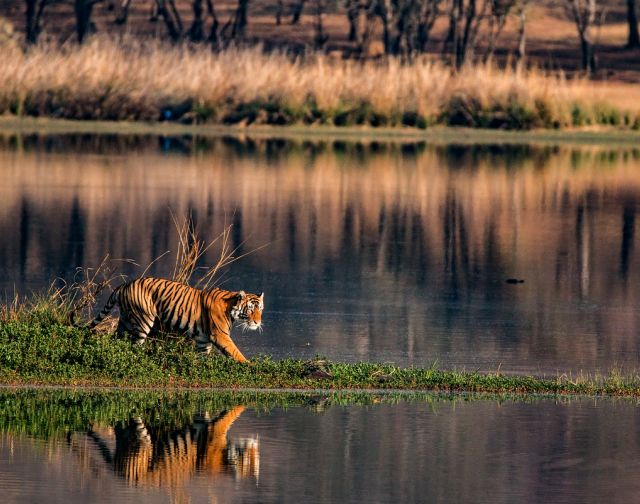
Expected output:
(372, 251)
(59, 446)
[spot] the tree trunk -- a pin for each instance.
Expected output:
(122, 16)
(240, 22)
(632, 19)
(588, 54)
(173, 27)
(452, 32)
(297, 11)
(83, 18)
(32, 27)
(196, 32)
(382, 12)
(427, 18)
(353, 11)
(522, 36)
(213, 34)
(463, 43)
(320, 38)
(584, 16)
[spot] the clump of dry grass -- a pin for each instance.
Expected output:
(66, 302)
(191, 249)
(117, 80)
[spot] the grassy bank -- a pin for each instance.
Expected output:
(107, 80)
(17, 127)
(38, 347)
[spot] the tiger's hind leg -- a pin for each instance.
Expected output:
(203, 343)
(139, 335)
(139, 327)
(122, 328)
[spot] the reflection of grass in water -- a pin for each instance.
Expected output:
(19, 130)
(39, 347)
(48, 413)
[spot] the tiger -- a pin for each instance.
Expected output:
(205, 315)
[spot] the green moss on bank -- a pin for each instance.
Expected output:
(43, 350)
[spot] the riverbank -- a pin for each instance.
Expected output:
(128, 80)
(43, 351)
(11, 126)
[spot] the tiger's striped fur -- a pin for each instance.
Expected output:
(206, 315)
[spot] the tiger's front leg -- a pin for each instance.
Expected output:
(228, 347)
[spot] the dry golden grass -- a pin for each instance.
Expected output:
(191, 250)
(132, 80)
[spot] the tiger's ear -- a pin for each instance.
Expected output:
(241, 295)
(261, 297)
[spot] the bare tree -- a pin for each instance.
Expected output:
(583, 13)
(429, 11)
(353, 13)
(33, 26)
(123, 11)
(632, 19)
(196, 31)
(240, 20)
(320, 38)
(522, 32)
(214, 37)
(169, 13)
(296, 11)
(465, 18)
(83, 9)
(406, 24)
(498, 12)
(279, 11)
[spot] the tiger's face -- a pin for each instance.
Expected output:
(248, 310)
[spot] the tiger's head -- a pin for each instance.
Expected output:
(248, 310)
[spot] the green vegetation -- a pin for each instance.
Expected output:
(52, 413)
(47, 413)
(38, 346)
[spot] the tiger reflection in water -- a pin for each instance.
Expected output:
(146, 456)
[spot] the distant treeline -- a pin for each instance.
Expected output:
(403, 26)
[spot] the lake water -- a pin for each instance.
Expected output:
(386, 252)
(68, 447)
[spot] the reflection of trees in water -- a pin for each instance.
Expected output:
(76, 235)
(627, 233)
(385, 227)
(503, 156)
(405, 222)
(25, 224)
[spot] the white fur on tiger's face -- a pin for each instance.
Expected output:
(248, 311)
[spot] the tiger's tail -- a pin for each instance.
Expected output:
(113, 299)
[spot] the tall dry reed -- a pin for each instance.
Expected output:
(119, 80)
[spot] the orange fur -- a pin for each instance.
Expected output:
(206, 315)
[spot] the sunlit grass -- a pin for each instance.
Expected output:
(131, 80)
(38, 347)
